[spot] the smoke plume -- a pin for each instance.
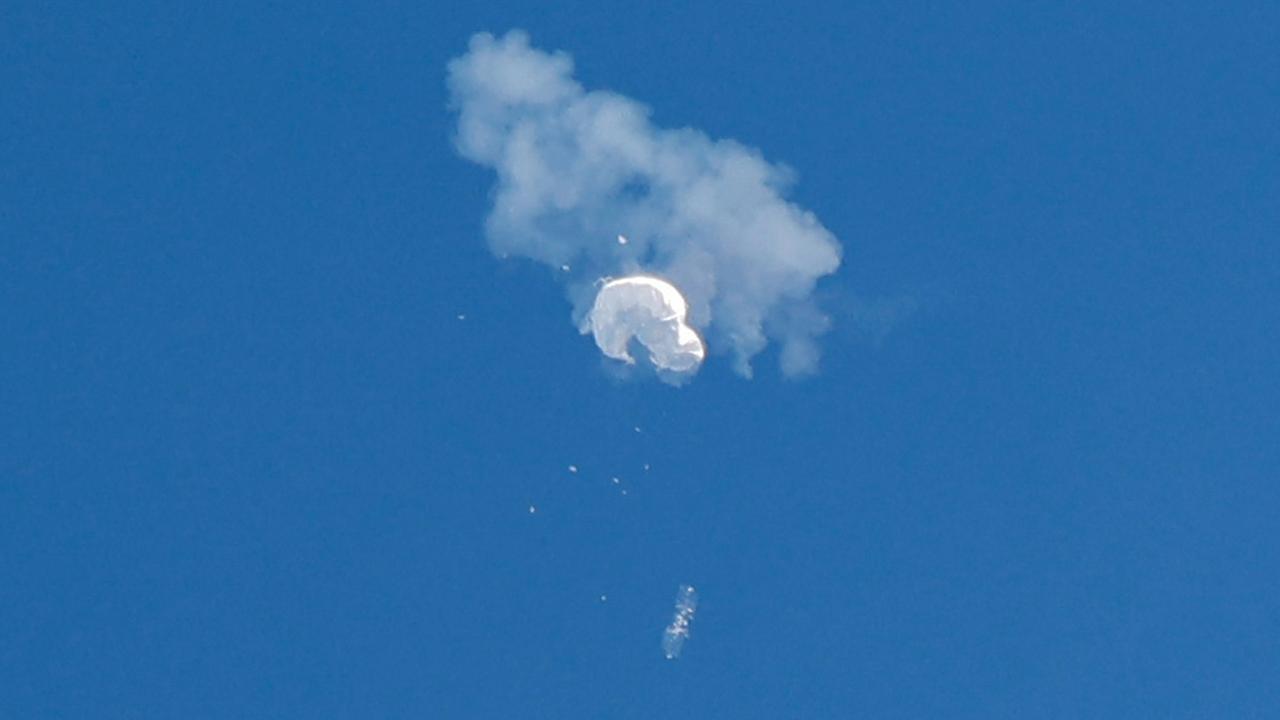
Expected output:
(577, 169)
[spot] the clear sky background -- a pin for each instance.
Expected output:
(252, 465)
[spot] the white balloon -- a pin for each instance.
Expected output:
(652, 311)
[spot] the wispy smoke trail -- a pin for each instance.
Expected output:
(576, 169)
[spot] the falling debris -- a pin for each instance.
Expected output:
(636, 428)
(678, 631)
(616, 481)
(622, 240)
(565, 268)
(462, 316)
(604, 598)
(651, 311)
(646, 467)
(532, 509)
(573, 468)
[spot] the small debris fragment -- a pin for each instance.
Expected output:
(622, 240)
(532, 509)
(573, 468)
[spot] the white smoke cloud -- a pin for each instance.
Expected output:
(576, 169)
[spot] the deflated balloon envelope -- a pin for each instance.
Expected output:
(652, 311)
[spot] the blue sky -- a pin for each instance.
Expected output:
(253, 465)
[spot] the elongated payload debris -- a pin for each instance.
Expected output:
(674, 636)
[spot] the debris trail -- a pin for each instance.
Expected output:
(678, 631)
